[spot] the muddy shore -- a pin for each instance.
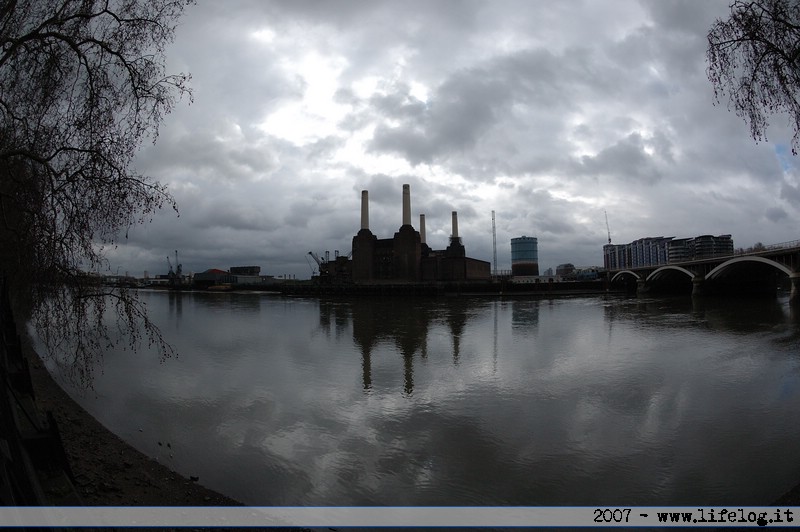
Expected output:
(108, 471)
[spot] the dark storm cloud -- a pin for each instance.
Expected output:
(399, 105)
(555, 227)
(776, 214)
(229, 215)
(790, 193)
(470, 104)
(683, 17)
(626, 160)
(220, 153)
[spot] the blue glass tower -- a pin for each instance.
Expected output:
(524, 256)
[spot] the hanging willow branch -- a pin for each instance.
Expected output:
(82, 85)
(754, 59)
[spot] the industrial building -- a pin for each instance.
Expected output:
(566, 270)
(237, 275)
(406, 257)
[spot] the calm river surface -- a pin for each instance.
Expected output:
(461, 401)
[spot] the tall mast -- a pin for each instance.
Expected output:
(494, 244)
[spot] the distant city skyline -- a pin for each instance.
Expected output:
(549, 114)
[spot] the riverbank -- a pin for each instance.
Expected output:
(108, 471)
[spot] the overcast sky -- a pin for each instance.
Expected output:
(548, 113)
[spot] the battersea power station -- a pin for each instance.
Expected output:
(406, 257)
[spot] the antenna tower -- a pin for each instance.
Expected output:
(494, 245)
(607, 228)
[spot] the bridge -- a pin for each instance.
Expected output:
(761, 272)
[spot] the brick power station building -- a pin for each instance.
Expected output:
(406, 257)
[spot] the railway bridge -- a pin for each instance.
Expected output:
(761, 272)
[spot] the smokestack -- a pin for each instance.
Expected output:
(455, 224)
(406, 205)
(365, 210)
(421, 228)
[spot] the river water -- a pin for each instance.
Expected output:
(465, 401)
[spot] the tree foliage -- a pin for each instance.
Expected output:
(82, 84)
(753, 58)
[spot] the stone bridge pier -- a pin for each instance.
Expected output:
(698, 285)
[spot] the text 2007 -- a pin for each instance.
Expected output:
(607, 515)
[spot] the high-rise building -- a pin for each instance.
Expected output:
(524, 256)
(660, 251)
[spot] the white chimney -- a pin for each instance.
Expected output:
(455, 224)
(421, 228)
(406, 205)
(364, 210)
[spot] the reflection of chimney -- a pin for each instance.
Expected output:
(455, 224)
(364, 209)
(406, 205)
(421, 228)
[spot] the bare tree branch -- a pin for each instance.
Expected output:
(82, 85)
(753, 60)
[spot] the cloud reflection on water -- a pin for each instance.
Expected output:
(462, 401)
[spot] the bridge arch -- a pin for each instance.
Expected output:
(625, 273)
(748, 275)
(669, 279)
(725, 266)
(666, 270)
(627, 279)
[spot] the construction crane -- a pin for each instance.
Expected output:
(318, 260)
(313, 271)
(324, 265)
(607, 228)
(174, 275)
